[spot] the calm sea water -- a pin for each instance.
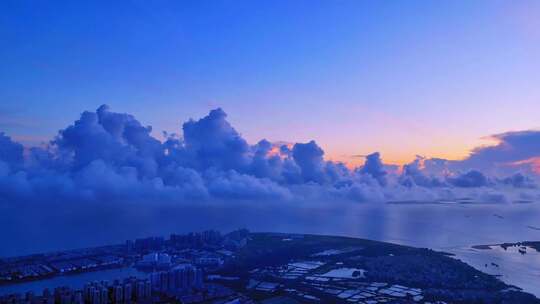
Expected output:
(522, 270)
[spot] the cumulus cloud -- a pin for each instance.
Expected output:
(309, 158)
(110, 156)
(514, 161)
(470, 179)
(418, 173)
(513, 150)
(375, 168)
(11, 153)
(213, 142)
(519, 180)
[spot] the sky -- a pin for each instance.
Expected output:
(406, 78)
(268, 106)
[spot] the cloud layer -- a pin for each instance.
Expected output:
(109, 156)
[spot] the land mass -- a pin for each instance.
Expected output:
(245, 267)
(349, 270)
(522, 246)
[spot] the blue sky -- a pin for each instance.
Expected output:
(399, 77)
(403, 78)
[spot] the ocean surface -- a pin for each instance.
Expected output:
(450, 227)
(513, 267)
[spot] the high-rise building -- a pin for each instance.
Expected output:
(78, 297)
(147, 289)
(177, 280)
(95, 297)
(117, 294)
(140, 290)
(104, 295)
(128, 291)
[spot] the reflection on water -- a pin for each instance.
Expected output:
(74, 281)
(442, 227)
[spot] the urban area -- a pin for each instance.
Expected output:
(268, 268)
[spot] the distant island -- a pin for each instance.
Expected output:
(521, 246)
(245, 267)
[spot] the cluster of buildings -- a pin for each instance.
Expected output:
(145, 244)
(83, 264)
(179, 280)
(126, 291)
(39, 266)
(130, 290)
(175, 270)
(18, 271)
(155, 260)
(182, 281)
(209, 238)
(196, 240)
